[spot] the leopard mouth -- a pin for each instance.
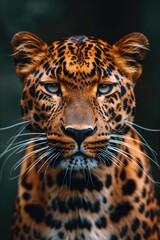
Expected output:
(78, 161)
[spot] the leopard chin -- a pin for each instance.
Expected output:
(78, 162)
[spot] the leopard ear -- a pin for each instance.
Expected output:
(28, 51)
(130, 52)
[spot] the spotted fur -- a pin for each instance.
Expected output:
(87, 174)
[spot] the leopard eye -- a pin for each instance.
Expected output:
(104, 89)
(53, 88)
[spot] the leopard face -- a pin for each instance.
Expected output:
(78, 91)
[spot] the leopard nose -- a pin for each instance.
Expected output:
(79, 135)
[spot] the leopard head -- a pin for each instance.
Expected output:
(78, 91)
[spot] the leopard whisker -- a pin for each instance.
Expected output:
(27, 141)
(111, 157)
(137, 141)
(101, 159)
(23, 145)
(144, 128)
(58, 153)
(18, 149)
(131, 157)
(17, 164)
(48, 159)
(42, 156)
(55, 155)
(65, 177)
(27, 134)
(13, 140)
(133, 148)
(13, 125)
(90, 176)
(24, 158)
(34, 163)
(130, 125)
(84, 175)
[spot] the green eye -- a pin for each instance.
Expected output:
(53, 88)
(104, 89)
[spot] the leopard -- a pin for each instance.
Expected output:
(86, 172)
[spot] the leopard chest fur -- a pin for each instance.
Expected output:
(107, 204)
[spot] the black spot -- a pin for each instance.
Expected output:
(57, 203)
(30, 104)
(37, 234)
(36, 117)
(137, 237)
(118, 118)
(128, 85)
(35, 211)
(75, 203)
(51, 222)
(43, 187)
(82, 223)
(78, 203)
(128, 109)
(26, 196)
(123, 91)
(123, 231)
(136, 199)
(128, 238)
(123, 174)
(22, 237)
(79, 183)
(35, 72)
(152, 215)
(28, 82)
(17, 230)
(32, 91)
(144, 225)
(61, 235)
(25, 184)
(46, 66)
(135, 224)
(122, 209)
(43, 116)
(129, 187)
(24, 95)
(141, 208)
(25, 109)
(125, 103)
(101, 222)
(113, 237)
(133, 111)
(118, 127)
(26, 228)
(144, 193)
(116, 76)
(104, 199)
(108, 180)
(41, 176)
(140, 169)
(54, 204)
(49, 181)
(95, 206)
(62, 206)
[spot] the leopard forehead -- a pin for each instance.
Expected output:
(80, 58)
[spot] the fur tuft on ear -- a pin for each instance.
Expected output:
(130, 52)
(28, 51)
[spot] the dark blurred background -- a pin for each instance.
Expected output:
(53, 19)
